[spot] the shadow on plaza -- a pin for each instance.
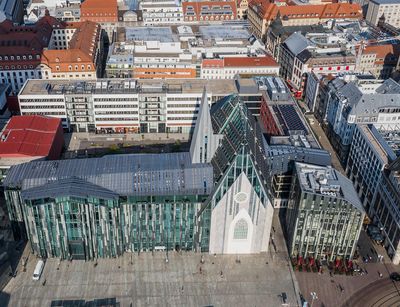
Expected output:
(11, 248)
(92, 149)
(102, 302)
(4, 298)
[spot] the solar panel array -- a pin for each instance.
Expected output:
(290, 117)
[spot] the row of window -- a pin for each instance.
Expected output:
(114, 99)
(116, 119)
(18, 57)
(115, 112)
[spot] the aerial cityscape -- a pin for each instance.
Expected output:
(200, 153)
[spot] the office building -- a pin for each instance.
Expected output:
(321, 88)
(349, 106)
(288, 138)
(390, 9)
(373, 169)
(300, 55)
(161, 12)
(69, 12)
(324, 216)
(212, 199)
(188, 52)
(129, 105)
(122, 105)
(230, 67)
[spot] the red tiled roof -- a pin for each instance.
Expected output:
(82, 49)
(99, 10)
(382, 51)
(240, 62)
(269, 10)
(25, 41)
(213, 63)
(198, 5)
(30, 135)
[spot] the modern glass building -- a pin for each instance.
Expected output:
(211, 199)
(324, 215)
(101, 207)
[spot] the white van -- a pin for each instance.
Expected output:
(38, 270)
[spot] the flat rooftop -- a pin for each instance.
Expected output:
(388, 137)
(127, 86)
(223, 32)
(325, 180)
(161, 34)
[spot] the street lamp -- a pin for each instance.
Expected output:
(313, 297)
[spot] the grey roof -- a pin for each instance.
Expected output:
(284, 31)
(281, 157)
(387, 95)
(135, 174)
(306, 173)
(389, 87)
(68, 187)
(385, 1)
(224, 32)
(304, 56)
(296, 43)
(161, 34)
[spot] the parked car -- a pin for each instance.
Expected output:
(38, 270)
(395, 276)
(372, 229)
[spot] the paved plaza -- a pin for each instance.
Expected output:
(150, 281)
(146, 279)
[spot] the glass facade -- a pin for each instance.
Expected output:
(93, 208)
(87, 228)
(321, 226)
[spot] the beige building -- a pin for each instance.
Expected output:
(261, 14)
(380, 60)
(388, 8)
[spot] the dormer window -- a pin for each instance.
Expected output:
(79, 59)
(57, 60)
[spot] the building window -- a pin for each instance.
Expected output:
(240, 231)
